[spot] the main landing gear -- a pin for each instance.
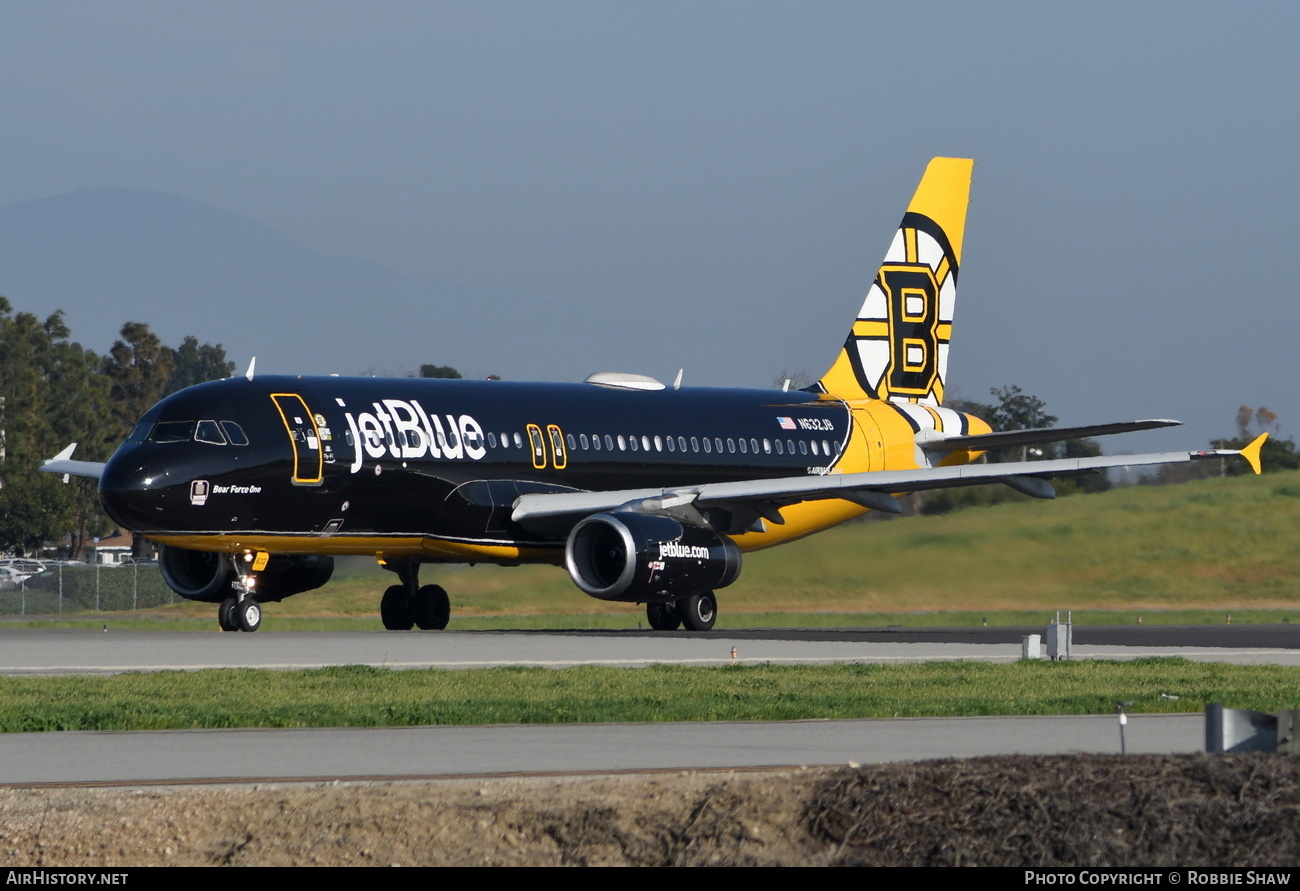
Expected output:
(696, 613)
(411, 605)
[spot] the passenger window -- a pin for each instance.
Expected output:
(672, 446)
(492, 440)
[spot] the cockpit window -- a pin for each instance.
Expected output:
(234, 433)
(141, 432)
(209, 432)
(172, 431)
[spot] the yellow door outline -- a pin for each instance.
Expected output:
(538, 443)
(559, 455)
(308, 460)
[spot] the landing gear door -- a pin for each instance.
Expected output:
(308, 464)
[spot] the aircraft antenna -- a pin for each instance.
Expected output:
(677, 381)
(249, 373)
(785, 387)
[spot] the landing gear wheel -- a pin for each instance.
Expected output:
(431, 608)
(249, 614)
(663, 616)
(699, 611)
(395, 609)
(226, 615)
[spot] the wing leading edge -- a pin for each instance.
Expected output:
(871, 489)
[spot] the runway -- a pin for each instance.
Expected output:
(52, 652)
(333, 754)
(411, 752)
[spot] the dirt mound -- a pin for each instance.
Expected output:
(1010, 811)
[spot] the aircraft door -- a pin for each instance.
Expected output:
(538, 444)
(308, 463)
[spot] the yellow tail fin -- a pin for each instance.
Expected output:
(898, 348)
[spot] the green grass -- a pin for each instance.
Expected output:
(357, 696)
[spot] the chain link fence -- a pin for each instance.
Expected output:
(86, 588)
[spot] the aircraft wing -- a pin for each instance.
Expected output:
(871, 489)
(939, 442)
(63, 463)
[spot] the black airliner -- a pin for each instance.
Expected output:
(646, 493)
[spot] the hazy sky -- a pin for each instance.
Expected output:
(711, 185)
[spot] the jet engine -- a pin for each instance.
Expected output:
(287, 575)
(640, 558)
(196, 575)
(207, 576)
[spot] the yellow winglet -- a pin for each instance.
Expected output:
(1251, 452)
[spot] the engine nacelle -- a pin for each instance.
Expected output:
(196, 575)
(207, 576)
(639, 558)
(288, 575)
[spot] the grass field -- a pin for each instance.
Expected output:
(357, 696)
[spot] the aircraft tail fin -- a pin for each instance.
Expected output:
(898, 347)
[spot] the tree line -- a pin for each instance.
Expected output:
(54, 391)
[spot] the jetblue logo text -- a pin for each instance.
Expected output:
(400, 429)
(675, 549)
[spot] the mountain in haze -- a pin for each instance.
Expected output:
(108, 256)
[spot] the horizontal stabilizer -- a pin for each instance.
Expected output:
(937, 442)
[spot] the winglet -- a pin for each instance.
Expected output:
(63, 455)
(1251, 452)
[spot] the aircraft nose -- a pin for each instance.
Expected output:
(133, 492)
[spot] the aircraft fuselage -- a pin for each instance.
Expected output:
(430, 469)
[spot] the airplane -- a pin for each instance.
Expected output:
(645, 493)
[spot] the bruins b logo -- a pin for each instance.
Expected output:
(899, 344)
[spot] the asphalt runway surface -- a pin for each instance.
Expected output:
(39, 651)
(329, 754)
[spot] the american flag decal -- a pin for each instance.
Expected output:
(786, 423)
